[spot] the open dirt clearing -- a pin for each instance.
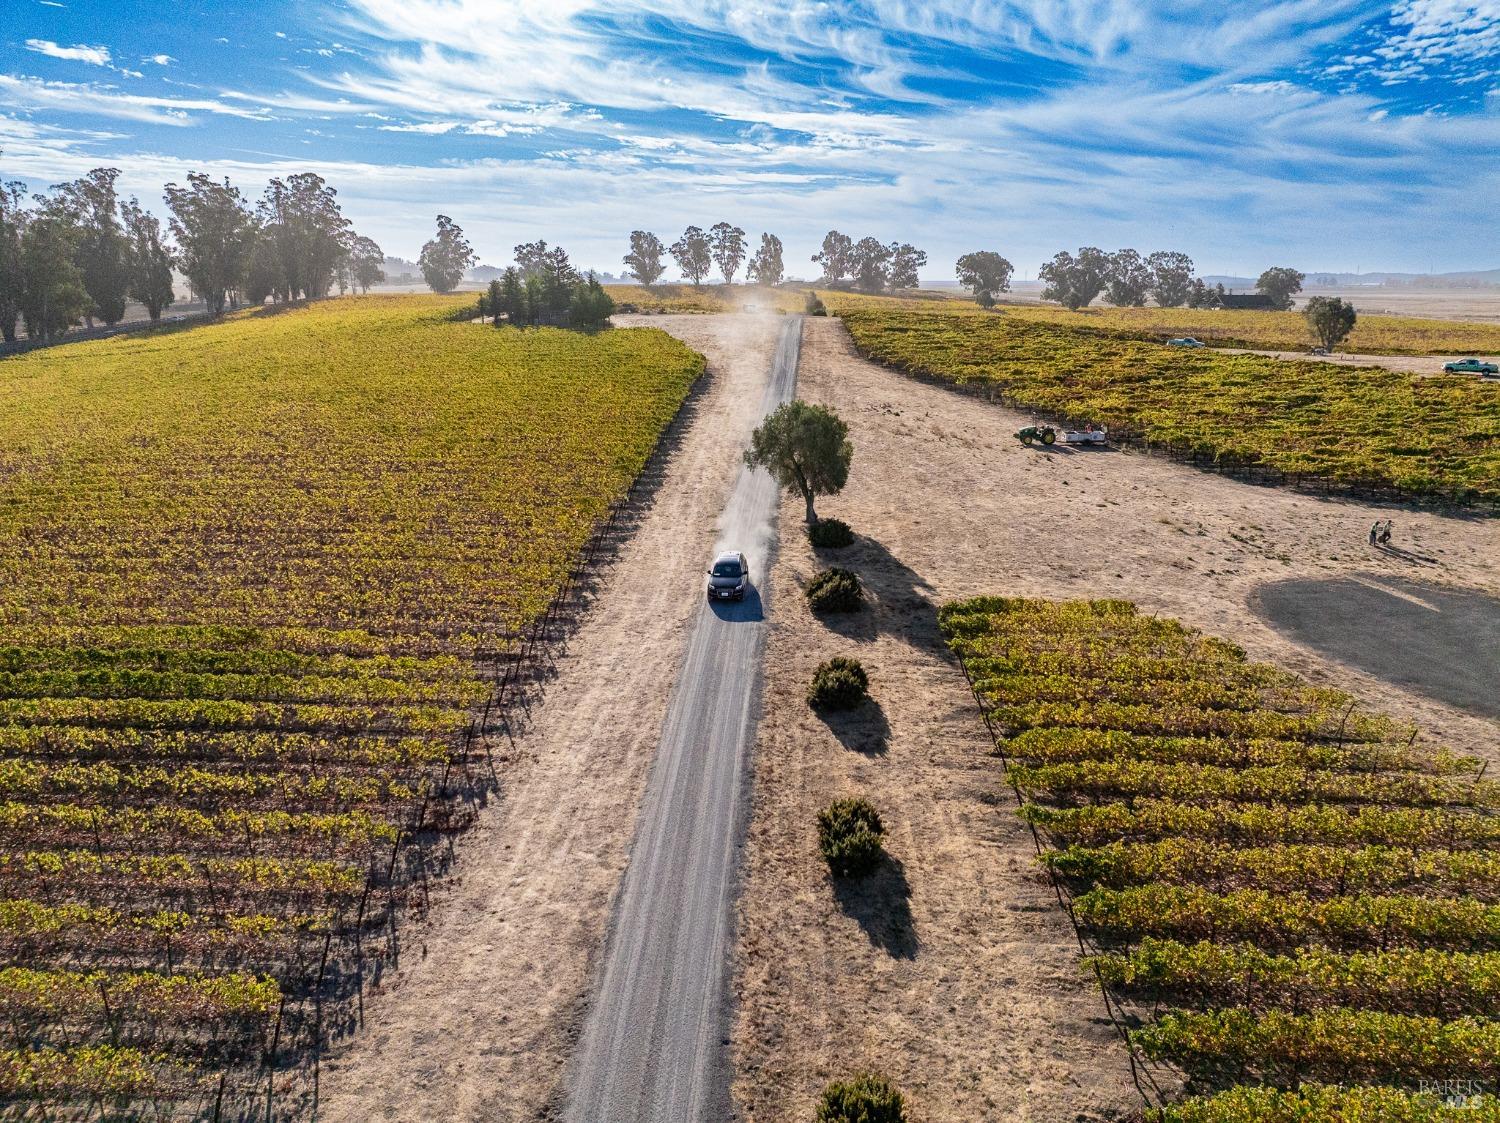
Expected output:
(479, 1021)
(954, 971)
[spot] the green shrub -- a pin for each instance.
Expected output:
(830, 534)
(835, 590)
(849, 833)
(864, 1099)
(814, 305)
(838, 684)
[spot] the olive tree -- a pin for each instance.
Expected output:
(1330, 319)
(805, 448)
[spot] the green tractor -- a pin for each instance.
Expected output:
(1043, 433)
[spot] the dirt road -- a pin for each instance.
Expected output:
(652, 1048)
(1412, 364)
(480, 1019)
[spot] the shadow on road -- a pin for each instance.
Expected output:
(747, 611)
(863, 729)
(881, 903)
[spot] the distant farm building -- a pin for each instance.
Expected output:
(1252, 300)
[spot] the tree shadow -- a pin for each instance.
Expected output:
(864, 729)
(881, 903)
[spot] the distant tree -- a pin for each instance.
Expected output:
(53, 296)
(263, 276)
(1200, 295)
(805, 448)
(536, 298)
(93, 206)
(645, 257)
(366, 263)
(591, 306)
(553, 269)
(491, 300)
(446, 258)
(214, 234)
(13, 218)
(1129, 280)
(1330, 319)
(836, 257)
(1280, 284)
(728, 249)
(512, 297)
(985, 274)
(1171, 277)
(766, 266)
(906, 261)
(308, 234)
(1074, 281)
(870, 263)
(693, 254)
(148, 260)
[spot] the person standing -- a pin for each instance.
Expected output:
(1374, 532)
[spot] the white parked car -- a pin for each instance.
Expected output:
(1186, 341)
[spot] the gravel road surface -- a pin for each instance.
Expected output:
(653, 1045)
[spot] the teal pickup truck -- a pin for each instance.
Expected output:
(1472, 366)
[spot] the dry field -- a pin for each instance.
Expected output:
(955, 972)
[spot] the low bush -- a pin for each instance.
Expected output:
(814, 305)
(864, 1099)
(830, 534)
(849, 833)
(835, 590)
(838, 684)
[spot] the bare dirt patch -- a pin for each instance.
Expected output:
(954, 971)
(480, 1018)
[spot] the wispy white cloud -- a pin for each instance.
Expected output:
(160, 60)
(85, 98)
(94, 56)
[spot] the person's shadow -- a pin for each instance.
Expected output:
(881, 903)
(1405, 555)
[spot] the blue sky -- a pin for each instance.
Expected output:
(1328, 134)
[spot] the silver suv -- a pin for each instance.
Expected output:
(728, 577)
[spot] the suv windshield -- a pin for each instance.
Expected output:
(726, 569)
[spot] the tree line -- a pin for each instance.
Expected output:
(867, 265)
(1125, 278)
(79, 252)
(698, 251)
(542, 287)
